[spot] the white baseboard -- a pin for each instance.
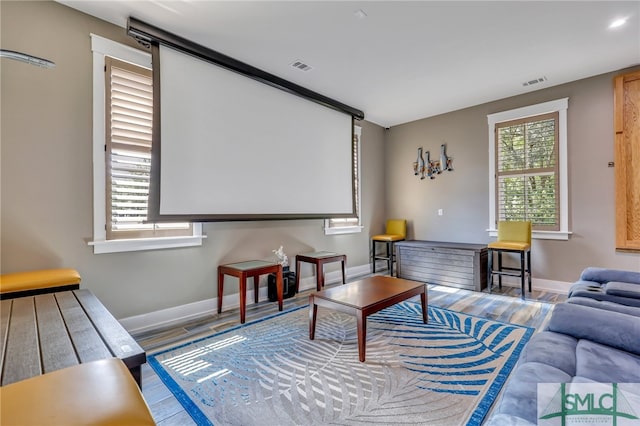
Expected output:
(180, 314)
(560, 287)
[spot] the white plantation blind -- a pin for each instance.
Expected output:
(527, 171)
(129, 110)
(338, 223)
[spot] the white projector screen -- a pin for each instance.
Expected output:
(231, 147)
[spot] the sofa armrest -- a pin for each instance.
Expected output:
(609, 328)
(604, 275)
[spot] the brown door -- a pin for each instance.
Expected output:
(627, 160)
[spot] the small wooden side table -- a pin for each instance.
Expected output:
(242, 270)
(319, 258)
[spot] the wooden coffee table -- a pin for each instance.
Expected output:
(363, 298)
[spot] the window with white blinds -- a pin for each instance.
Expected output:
(527, 182)
(129, 119)
(349, 225)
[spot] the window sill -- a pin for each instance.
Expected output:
(540, 235)
(344, 230)
(140, 244)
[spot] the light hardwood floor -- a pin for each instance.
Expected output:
(502, 305)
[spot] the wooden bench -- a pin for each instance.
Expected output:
(47, 332)
(460, 265)
(28, 283)
(96, 393)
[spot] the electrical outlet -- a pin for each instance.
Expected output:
(440, 212)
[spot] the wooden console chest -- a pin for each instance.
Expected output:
(458, 265)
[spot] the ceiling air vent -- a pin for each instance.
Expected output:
(301, 66)
(534, 81)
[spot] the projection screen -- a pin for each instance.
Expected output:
(231, 145)
(233, 142)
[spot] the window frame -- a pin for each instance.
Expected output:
(102, 47)
(559, 106)
(339, 230)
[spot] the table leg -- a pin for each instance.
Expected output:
(256, 280)
(279, 287)
(423, 300)
(297, 275)
(390, 248)
(490, 269)
(319, 275)
(220, 289)
(136, 372)
(243, 297)
(500, 269)
(361, 322)
(344, 276)
(313, 313)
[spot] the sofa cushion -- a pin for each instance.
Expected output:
(604, 275)
(545, 347)
(603, 304)
(617, 288)
(609, 328)
(520, 395)
(605, 364)
(507, 420)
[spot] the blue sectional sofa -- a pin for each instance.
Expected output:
(610, 285)
(588, 339)
(580, 344)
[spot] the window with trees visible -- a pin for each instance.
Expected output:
(350, 225)
(527, 170)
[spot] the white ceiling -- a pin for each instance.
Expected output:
(404, 60)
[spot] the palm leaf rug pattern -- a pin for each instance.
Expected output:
(269, 373)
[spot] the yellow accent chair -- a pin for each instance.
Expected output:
(513, 237)
(101, 392)
(396, 230)
(29, 283)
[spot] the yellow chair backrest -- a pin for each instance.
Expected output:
(519, 231)
(397, 227)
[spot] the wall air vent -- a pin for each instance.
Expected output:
(301, 66)
(534, 81)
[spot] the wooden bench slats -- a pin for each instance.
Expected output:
(56, 348)
(88, 343)
(121, 344)
(22, 353)
(48, 332)
(457, 265)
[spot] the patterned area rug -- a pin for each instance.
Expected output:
(268, 372)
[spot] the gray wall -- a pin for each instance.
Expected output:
(46, 179)
(464, 193)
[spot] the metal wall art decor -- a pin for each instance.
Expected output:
(425, 167)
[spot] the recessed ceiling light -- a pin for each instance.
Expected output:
(618, 23)
(360, 14)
